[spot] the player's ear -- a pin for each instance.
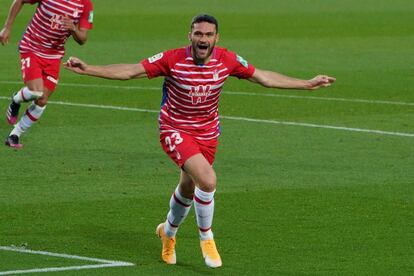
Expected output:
(217, 38)
(189, 36)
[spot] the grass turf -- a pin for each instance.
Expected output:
(291, 200)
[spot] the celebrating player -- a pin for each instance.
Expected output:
(189, 121)
(41, 50)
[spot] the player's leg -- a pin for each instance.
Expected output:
(30, 70)
(23, 95)
(32, 114)
(205, 180)
(46, 84)
(180, 205)
(179, 147)
(199, 179)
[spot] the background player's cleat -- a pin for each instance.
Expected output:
(168, 245)
(210, 253)
(12, 112)
(13, 142)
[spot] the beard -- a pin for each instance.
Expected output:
(202, 51)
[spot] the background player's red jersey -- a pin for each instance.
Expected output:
(45, 36)
(191, 92)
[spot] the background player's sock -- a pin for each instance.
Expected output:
(25, 95)
(32, 114)
(204, 208)
(179, 208)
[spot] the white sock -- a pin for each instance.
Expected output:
(25, 95)
(204, 208)
(32, 114)
(179, 208)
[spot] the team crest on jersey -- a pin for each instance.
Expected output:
(199, 94)
(215, 75)
(242, 61)
(156, 57)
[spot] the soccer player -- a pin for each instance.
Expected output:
(41, 50)
(189, 121)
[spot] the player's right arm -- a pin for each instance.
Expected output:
(112, 71)
(14, 10)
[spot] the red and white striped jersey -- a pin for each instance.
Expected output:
(45, 35)
(192, 92)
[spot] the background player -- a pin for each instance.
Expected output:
(189, 122)
(41, 50)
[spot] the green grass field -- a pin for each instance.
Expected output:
(292, 199)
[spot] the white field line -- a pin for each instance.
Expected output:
(236, 93)
(380, 132)
(59, 255)
(102, 263)
(55, 269)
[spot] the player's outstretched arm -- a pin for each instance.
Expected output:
(112, 71)
(15, 8)
(275, 80)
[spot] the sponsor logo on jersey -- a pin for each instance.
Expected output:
(199, 94)
(242, 61)
(156, 57)
(56, 22)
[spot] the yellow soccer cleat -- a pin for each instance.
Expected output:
(168, 245)
(210, 253)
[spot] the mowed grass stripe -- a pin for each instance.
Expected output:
(241, 93)
(372, 131)
(304, 200)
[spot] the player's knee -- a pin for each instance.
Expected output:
(42, 101)
(187, 188)
(208, 182)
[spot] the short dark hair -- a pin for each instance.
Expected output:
(204, 18)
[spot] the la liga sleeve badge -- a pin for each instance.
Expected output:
(156, 57)
(242, 61)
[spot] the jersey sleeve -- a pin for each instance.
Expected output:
(157, 65)
(86, 19)
(240, 68)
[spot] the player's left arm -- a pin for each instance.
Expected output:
(78, 33)
(276, 80)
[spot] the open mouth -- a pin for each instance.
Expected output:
(203, 48)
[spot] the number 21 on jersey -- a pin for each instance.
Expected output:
(25, 63)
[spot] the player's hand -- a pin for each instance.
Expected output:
(320, 81)
(4, 36)
(68, 24)
(76, 65)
